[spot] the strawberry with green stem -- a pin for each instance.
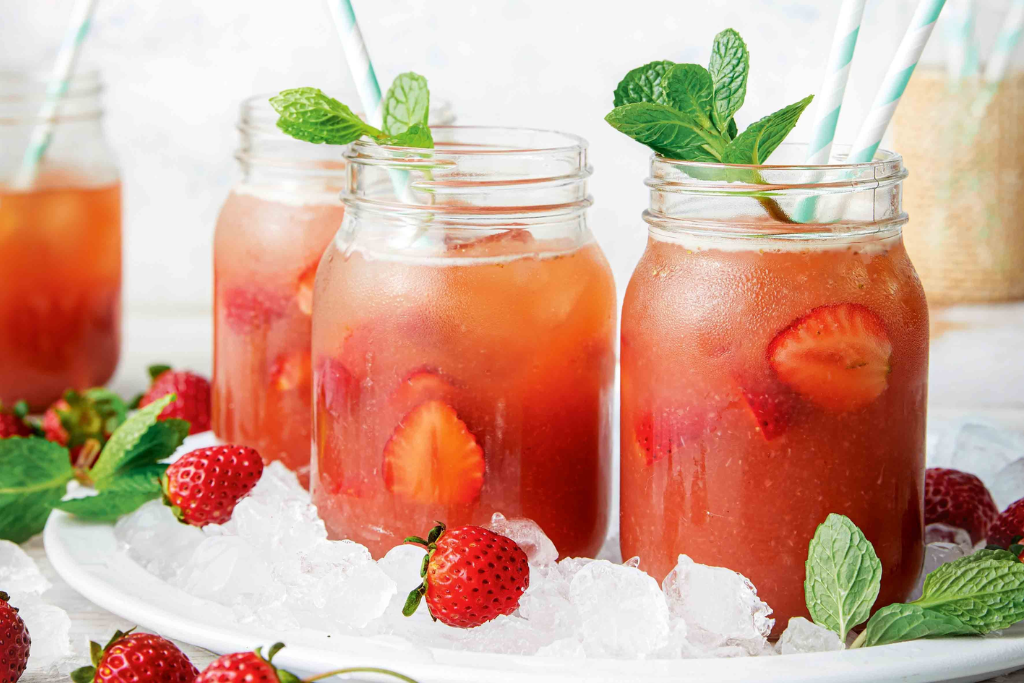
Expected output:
(15, 642)
(12, 420)
(192, 401)
(249, 667)
(83, 423)
(136, 658)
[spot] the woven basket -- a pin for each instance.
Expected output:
(965, 193)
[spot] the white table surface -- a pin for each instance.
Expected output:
(977, 367)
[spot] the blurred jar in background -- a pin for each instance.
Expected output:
(60, 245)
(961, 133)
(270, 235)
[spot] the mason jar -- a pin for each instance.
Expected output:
(464, 342)
(60, 242)
(773, 372)
(270, 235)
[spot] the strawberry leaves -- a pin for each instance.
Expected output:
(34, 473)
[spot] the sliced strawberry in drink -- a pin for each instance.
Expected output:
(304, 290)
(662, 433)
(248, 309)
(291, 371)
(420, 386)
(837, 356)
(772, 408)
(338, 387)
(432, 458)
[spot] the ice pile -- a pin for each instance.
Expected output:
(983, 448)
(273, 565)
(48, 625)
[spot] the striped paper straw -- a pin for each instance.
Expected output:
(358, 59)
(830, 97)
(57, 87)
(961, 44)
(1006, 43)
(896, 79)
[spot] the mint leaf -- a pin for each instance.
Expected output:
(731, 130)
(843, 575)
(729, 65)
(125, 445)
(156, 443)
(663, 129)
(34, 474)
(406, 104)
(899, 622)
(417, 135)
(310, 115)
(688, 89)
(124, 494)
(759, 140)
(985, 590)
(643, 84)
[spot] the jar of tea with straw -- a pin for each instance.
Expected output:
(960, 129)
(60, 230)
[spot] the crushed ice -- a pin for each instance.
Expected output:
(48, 625)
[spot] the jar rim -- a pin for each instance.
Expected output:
(33, 82)
(474, 143)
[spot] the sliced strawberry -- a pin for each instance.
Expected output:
(304, 290)
(290, 371)
(772, 408)
(248, 309)
(433, 458)
(664, 432)
(420, 386)
(336, 385)
(837, 356)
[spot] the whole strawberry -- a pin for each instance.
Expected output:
(14, 642)
(83, 422)
(253, 667)
(136, 658)
(958, 499)
(204, 486)
(471, 575)
(12, 421)
(192, 402)
(1008, 529)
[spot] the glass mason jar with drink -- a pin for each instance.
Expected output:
(60, 244)
(773, 372)
(271, 233)
(463, 342)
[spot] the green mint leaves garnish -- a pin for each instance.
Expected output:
(310, 115)
(686, 112)
(974, 595)
(34, 473)
(843, 575)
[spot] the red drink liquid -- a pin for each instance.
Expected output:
(733, 448)
(266, 251)
(505, 347)
(60, 288)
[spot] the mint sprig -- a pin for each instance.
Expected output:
(974, 595)
(843, 575)
(704, 103)
(34, 473)
(308, 114)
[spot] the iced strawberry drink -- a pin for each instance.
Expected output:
(772, 374)
(463, 352)
(60, 287)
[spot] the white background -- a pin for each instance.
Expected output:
(176, 70)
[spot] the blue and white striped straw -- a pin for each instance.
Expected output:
(358, 59)
(829, 100)
(1006, 43)
(57, 87)
(962, 59)
(896, 79)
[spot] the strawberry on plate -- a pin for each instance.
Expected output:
(204, 486)
(137, 658)
(15, 642)
(471, 575)
(837, 356)
(1008, 527)
(433, 458)
(193, 398)
(958, 499)
(253, 667)
(12, 421)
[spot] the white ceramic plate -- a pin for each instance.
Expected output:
(87, 557)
